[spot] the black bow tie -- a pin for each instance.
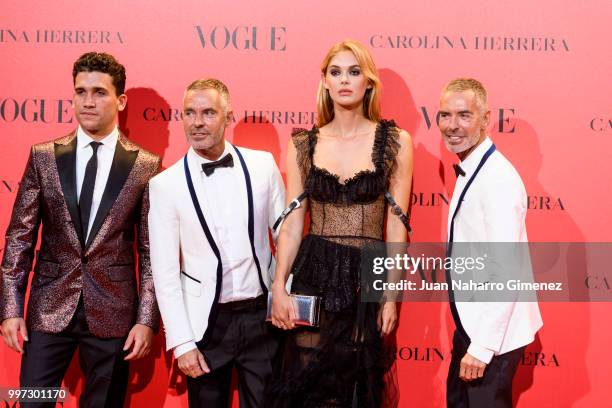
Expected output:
(458, 170)
(209, 168)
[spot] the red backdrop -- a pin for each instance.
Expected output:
(544, 64)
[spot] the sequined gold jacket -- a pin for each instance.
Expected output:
(103, 268)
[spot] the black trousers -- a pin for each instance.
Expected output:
(493, 390)
(47, 357)
(241, 338)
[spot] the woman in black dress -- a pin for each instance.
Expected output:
(345, 164)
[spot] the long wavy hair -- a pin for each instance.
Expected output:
(371, 99)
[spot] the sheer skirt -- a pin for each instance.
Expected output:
(344, 362)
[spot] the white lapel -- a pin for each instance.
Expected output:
(205, 201)
(241, 177)
(469, 165)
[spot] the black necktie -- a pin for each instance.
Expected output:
(87, 188)
(209, 168)
(458, 170)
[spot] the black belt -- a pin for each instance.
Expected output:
(247, 305)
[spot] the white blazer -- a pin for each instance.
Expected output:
(186, 271)
(493, 210)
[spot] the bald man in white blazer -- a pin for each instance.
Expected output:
(210, 217)
(489, 205)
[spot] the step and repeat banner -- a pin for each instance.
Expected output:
(546, 66)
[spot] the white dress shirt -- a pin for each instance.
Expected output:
(493, 210)
(225, 187)
(183, 264)
(106, 152)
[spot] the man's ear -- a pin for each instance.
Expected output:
(485, 120)
(229, 116)
(122, 101)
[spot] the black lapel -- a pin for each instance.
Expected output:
(65, 158)
(251, 225)
(212, 317)
(123, 161)
(449, 246)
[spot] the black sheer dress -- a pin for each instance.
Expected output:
(344, 362)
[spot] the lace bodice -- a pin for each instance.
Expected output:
(352, 211)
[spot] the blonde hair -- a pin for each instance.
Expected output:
(211, 83)
(371, 99)
(468, 84)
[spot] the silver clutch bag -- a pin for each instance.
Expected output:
(307, 309)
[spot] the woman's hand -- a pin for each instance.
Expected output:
(387, 318)
(283, 315)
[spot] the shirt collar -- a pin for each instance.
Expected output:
(471, 162)
(109, 141)
(201, 160)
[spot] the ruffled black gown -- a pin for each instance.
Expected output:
(344, 362)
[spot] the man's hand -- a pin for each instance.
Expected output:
(193, 364)
(140, 339)
(10, 328)
(471, 368)
(387, 318)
